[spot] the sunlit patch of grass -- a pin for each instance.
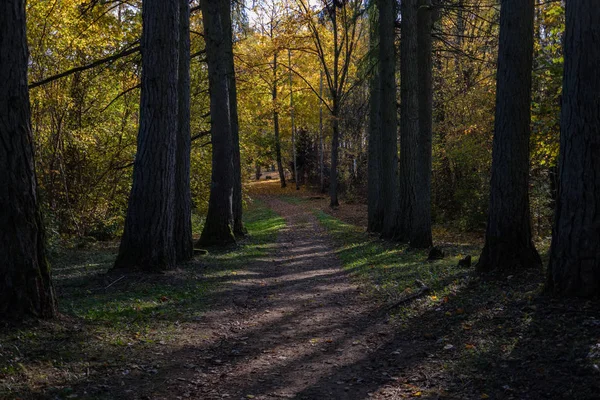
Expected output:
(106, 312)
(390, 269)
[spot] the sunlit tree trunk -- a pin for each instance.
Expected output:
(25, 283)
(218, 228)
(148, 237)
(508, 242)
(276, 124)
(238, 224)
(574, 268)
(183, 198)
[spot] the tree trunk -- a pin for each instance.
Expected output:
(238, 209)
(335, 99)
(25, 284)
(276, 125)
(508, 243)
(420, 233)
(148, 237)
(218, 228)
(409, 120)
(574, 268)
(321, 148)
(335, 144)
(375, 209)
(293, 124)
(389, 117)
(184, 245)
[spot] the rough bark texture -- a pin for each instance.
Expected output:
(184, 245)
(420, 233)
(375, 209)
(148, 238)
(238, 224)
(276, 125)
(25, 283)
(574, 268)
(508, 243)
(409, 120)
(218, 228)
(389, 117)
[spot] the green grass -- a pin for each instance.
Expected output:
(292, 199)
(390, 269)
(113, 317)
(171, 297)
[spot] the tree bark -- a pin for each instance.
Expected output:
(238, 209)
(293, 121)
(25, 283)
(335, 123)
(389, 117)
(508, 242)
(574, 268)
(409, 121)
(148, 237)
(218, 228)
(321, 147)
(375, 209)
(420, 234)
(335, 144)
(184, 245)
(276, 124)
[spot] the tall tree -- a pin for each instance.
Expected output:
(184, 245)
(574, 268)
(409, 122)
(508, 242)
(375, 209)
(420, 233)
(276, 123)
(388, 117)
(148, 237)
(25, 284)
(344, 17)
(238, 224)
(218, 228)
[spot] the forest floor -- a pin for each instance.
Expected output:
(308, 306)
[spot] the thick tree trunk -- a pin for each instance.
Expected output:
(238, 209)
(389, 117)
(218, 228)
(508, 243)
(574, 268)
(409, 120)
(25, 285)
(148, 238)
(184, 245)
(375, 203)
(420, 233)
(276, 125)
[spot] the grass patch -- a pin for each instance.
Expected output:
(391, 270)
(115, 318)
(292, 199)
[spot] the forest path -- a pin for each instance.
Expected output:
(296, 327)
